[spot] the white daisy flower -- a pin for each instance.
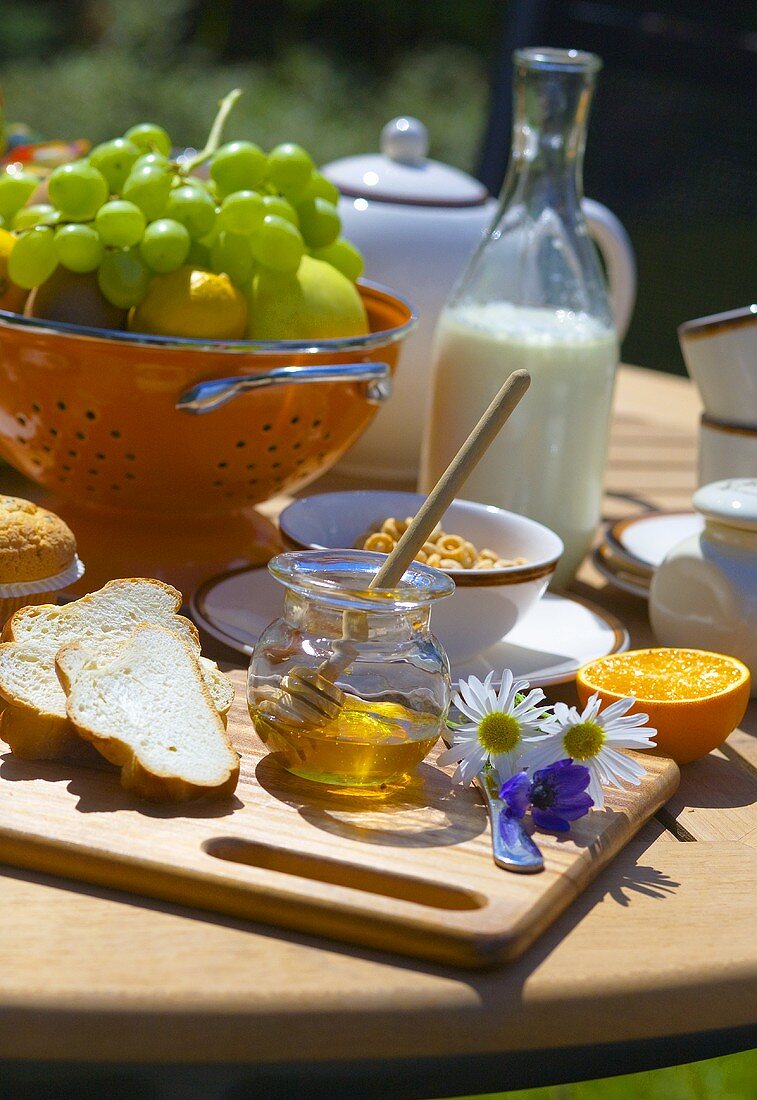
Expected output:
(499, 728)
(593, 738)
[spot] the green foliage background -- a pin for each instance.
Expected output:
(147, 61)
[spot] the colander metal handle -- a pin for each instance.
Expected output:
(206, 396)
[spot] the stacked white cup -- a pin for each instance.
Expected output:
(720, 353)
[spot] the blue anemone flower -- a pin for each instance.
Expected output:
(556, 795)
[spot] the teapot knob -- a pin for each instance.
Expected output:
(405, 139)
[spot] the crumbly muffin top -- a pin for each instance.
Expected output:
(34, 543)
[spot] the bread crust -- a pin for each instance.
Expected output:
(34, 543)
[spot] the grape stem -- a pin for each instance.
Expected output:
(216, 132)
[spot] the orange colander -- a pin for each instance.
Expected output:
(104, 418)
(138, 430)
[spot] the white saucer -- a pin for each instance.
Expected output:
(548, 646)
(647, 539)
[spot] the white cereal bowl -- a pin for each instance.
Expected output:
(486, 604)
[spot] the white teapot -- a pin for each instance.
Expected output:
(417, 221)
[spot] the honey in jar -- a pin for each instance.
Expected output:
(396, 689)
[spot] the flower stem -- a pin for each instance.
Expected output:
(216, 132)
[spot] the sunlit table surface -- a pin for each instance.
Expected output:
(655, 962)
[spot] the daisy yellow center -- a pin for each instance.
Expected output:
(584, 740)
(499, 732)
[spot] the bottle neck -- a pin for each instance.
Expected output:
(551, 109)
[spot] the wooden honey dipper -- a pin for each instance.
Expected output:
(310, 697)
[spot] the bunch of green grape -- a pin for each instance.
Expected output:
(128, 212)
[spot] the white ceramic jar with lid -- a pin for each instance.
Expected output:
(704, 595)
(417, 221)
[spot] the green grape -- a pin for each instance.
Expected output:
(232, 253)
(151, 158)
(16, 188)
(78, 247)
(114, 159)
(78, 190)
(123, 278)
(343, 256)
(290, 170)
(321, 188)
(242, 212)
(121, 224)
(33, 258)
(237, 166)
(165, 245)
(194, 208)
(274, 204)
(148, 187)
(150, 137)
(319, 222)
(39, 213)
(278, 245)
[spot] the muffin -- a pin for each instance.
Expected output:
(37, 555)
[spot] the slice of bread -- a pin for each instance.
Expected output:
(34, 721)
(144, 704)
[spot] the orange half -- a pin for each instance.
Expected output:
(694, 698)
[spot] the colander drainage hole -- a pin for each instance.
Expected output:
(267, 427)
(100, 456)
(222, 465)
(36, 408)
(61, 405)
(90, 415)
(241, 443)
(115, 433)
(81, 436)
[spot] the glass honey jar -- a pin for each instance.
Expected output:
(395, 682)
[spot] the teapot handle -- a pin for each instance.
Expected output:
(618, 255)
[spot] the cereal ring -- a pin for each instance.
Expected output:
(449, 544)
(395, 528)
(433, 560)
(449, 563)
(379, 542)
(489, 555)
(421, 556)
(484, 563)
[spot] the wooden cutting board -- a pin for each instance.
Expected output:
(410, 872)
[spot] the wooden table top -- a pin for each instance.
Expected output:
(661, 944)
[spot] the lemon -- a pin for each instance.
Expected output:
(193, 302)
(12, 297)
(316, 302)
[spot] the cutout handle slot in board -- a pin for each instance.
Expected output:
(433, 895)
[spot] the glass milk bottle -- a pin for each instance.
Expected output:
(534, 296)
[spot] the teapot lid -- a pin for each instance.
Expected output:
(402, 172)
(733, 502)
